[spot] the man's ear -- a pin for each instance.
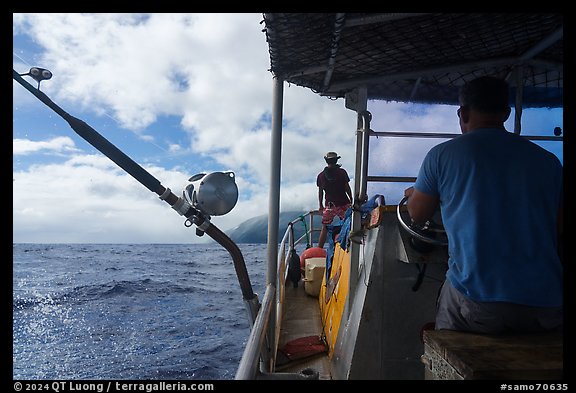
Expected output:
(464, 115)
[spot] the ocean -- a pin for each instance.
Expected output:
(130, 311)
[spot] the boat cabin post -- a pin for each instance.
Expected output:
(358, 102)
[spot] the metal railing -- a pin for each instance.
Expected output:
(260, 348)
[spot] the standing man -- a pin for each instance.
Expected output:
(334, 189)
(501, 201)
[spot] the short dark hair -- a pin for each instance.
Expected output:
(485, 94)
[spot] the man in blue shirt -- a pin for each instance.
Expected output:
(500, 197)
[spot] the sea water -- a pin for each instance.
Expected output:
(130, 311)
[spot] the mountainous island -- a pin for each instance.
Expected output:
(255, 230)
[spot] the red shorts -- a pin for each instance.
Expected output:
(329, 213)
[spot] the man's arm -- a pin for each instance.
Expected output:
(349, 192)
(320, 198)
(421, 206)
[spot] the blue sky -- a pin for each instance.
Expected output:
(180, 94)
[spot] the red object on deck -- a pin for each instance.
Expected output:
(304, 347)
(312, 252)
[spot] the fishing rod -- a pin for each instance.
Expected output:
(217, 192)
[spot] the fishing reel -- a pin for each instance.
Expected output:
(423, 237)
(213, 194)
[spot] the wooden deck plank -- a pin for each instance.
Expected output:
(521, 356)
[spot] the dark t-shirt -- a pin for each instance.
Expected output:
(333, 181)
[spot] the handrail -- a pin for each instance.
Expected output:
(404, 134)
(248, 366)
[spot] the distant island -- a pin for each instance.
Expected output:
(255, 230)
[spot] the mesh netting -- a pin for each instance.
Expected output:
(417, 57)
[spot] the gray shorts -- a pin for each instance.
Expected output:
(457, 312)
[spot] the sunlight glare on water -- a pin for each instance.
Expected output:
(129, 311)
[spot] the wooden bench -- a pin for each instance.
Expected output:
(460, 355)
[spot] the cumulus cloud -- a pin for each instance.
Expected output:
(55, 145)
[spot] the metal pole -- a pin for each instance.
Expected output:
(359, 189)
(274, 196)
(366, 117)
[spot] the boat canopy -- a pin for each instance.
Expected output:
(419, 57)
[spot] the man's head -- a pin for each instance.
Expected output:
(485, 94)
(331, 158)
(484, 102)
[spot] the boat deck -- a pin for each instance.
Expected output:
(302, 318)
